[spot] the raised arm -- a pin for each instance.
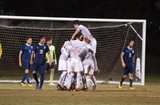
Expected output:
(75, 33)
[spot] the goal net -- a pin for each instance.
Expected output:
(111, 35)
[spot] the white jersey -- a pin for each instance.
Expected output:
(85, 31)
(63, 59)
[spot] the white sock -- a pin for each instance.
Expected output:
(78, 79)
(69, 80)
(94, 80)
(62, 78)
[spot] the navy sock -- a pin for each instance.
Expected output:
(27, 78)
(41, 80)
(131, 82)
(35, 78)
(24, 78)
(122, 80)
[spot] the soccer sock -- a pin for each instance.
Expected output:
(69, 80)
(51, 75)
(27, 78)
(62, 78)
(24, 78)
(122, 80)
(78, 80)
(89, 81)
(94, 80)
(131, 82)
(84, 81)
(35, 77)
(41, 80)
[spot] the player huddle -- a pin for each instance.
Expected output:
(77, 61)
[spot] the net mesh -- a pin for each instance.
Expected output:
(111, 38)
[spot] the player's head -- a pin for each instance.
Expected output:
(85, 39)
(42, 39)
(29, 40)
(49, 41)
(76, 23)
(131, 43)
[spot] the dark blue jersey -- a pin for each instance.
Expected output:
(40, 53)
(128, 54)
(26, 51)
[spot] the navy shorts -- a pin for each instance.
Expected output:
(26, 65)
(39, 67)
(128, 69)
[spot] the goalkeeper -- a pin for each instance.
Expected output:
(1, 50)
(53, 59)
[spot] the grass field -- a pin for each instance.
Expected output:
(106, 94)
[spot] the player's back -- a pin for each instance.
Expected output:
(85, 31)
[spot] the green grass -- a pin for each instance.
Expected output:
(106, 94)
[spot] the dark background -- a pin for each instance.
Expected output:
(122, 9)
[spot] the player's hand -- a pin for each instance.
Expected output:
(20, 64)
(123, 65)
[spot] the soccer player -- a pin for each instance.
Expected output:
(53, 60)
(1, 50)
(75, 64)
(39, 60)
(24, 60)
(63, 64)
(88, 64)
(85, 32)
(127, 57)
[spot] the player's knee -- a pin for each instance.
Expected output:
(26, 71)
(130, 76)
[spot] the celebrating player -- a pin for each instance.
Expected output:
(51, 67)
(63, 64)
(24, 60)
(88, 64)
(85, 32)
(39, 57)
(127, 63)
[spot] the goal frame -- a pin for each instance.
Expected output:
(143, 21)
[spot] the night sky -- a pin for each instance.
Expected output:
(122, 9)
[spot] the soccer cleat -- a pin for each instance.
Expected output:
(119, 86)
(37, 85)
(30, 85)
(22, 84)
(59, 87)
(94, 88)
(132, 88)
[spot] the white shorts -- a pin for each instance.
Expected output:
(75, 65)
(62, 64)
(88, 65)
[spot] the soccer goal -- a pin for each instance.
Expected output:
(111, 35)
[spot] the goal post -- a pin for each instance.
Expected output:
(111, 34)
